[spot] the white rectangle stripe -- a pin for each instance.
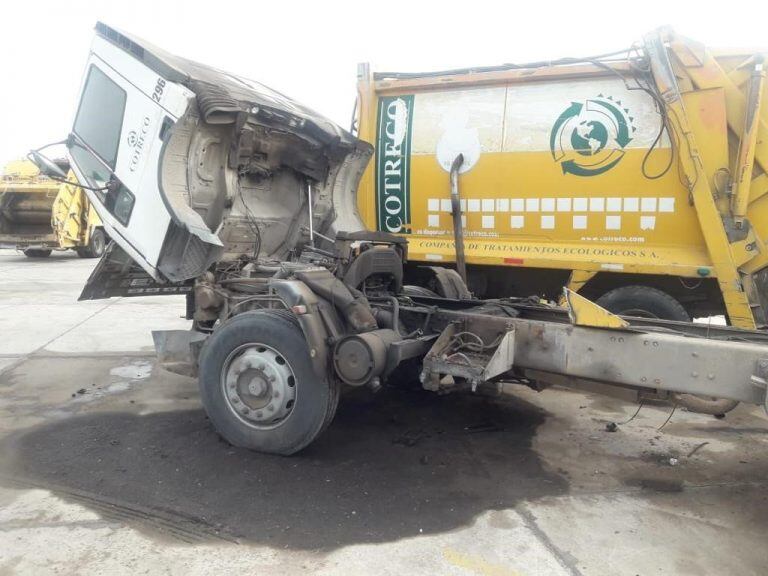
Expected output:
(613, 206)
(648, 204)
(596, 204)
(579, 222)
(666, 204)
(647, 222)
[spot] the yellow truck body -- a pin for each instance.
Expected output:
(642, 170)
(39, 214)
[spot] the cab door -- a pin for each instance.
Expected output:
(125, 113)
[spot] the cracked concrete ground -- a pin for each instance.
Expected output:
(108, 465)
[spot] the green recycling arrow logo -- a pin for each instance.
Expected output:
(589, 138)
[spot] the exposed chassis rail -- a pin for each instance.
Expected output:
(671, 356)
(457, 344)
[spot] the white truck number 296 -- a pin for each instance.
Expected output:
(158, 93)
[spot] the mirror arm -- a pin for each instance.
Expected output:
(68, 142)
(71, 183)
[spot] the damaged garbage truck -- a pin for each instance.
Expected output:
(215, 186)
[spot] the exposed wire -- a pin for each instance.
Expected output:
(640, 75)
(457, 342)
(507, 66)
(252, 223)
(633, 415)
(674, 407)
(460, 354)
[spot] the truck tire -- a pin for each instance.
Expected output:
(335, 385)
(447, 283)
(96, 245)
(413, 290)
(37, 253)
(648, 302)
(643, 301)
(258, 385)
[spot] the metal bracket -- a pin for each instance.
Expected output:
(476, 367)
(583, 312)
(503, 357)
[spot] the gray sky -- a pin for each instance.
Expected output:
(309, 50)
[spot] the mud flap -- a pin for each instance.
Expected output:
(178, 350)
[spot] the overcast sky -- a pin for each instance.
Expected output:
(309, 50)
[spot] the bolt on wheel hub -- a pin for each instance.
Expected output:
(259, 385)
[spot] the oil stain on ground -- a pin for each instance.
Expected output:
(394, 465)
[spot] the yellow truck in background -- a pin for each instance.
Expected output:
(637, 182)
(39, 214)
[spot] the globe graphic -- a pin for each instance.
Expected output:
(589, 138)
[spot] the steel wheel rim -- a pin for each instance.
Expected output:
(259, 386)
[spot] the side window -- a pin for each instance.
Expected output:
(119, 201)
(99, 120)
(98, 126)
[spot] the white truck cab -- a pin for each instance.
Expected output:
(125, 112)
(196, 165)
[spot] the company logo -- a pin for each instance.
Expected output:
(136, 140)
(393, 159)
(589, 137)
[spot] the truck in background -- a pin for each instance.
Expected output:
(39, 214)
(595, 174)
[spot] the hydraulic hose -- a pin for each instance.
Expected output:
(458, 232)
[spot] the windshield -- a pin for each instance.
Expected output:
(98, 124)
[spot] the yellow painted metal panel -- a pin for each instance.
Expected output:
(583, 312)
(556, 171)
(520, 206)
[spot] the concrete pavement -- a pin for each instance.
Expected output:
(109, 466)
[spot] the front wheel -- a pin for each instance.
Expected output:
(258, 385)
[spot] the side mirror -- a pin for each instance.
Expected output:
(46, 166)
